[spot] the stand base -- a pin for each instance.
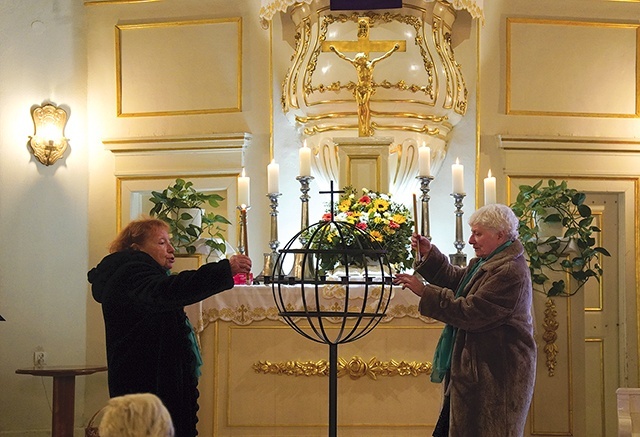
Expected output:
(458, 259)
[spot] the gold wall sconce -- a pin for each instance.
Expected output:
(48, 143)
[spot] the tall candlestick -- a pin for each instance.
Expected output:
(424, 161)
(243, 190)
(305, 160)
(489, 189)
(273, 176)
(457, 171)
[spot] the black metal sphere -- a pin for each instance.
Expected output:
(325, 308)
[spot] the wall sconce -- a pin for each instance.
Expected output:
(48, 142)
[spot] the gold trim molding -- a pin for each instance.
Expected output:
(355, 368)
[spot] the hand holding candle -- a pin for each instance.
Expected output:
(273, 176)
(305, 160)
(243, 190)
(457, 171)
(489, 189)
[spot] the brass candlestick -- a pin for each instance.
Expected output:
(309, 270)
(424, 200)
(243, 239)
(458, 258)
(270, 258)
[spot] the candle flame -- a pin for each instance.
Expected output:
(457, 161)
(243, 172)
(304, 143)
(489, 174)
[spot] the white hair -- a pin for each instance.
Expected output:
(498, 217)
(136, 415)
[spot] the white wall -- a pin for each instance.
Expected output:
(43, 210)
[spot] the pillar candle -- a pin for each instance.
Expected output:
(457, 171)
(243, 190)
(424, 161)
(489, 189)
(273, 177)
(305, 160)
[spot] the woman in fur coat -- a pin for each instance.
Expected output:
(150, 343)
(486, 355)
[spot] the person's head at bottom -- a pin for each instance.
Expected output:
(136, 415)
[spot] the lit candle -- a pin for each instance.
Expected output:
(424, 161)
(243, 190)
(489, 189)
(273, 175)
(305, 160)
(457, 171)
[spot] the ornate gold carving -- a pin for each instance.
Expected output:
(355, 368)
(550, 336)
(48, 143)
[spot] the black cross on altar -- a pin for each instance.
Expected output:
(332, 192)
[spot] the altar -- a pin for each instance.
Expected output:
(261, 378)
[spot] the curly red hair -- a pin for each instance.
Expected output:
(136, 232)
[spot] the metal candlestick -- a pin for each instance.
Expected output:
(458, 258)
(270, 258)
(243, 241)
(297, 271)
(424, 199)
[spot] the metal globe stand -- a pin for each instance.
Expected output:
(349, 318)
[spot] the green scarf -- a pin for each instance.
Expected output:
(444, 349)
(193, 340)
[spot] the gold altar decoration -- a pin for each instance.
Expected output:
(550, 335)
(355, 368)
(382, 73)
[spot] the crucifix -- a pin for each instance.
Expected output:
(364, 89)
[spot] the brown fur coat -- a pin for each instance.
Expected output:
(494, 355)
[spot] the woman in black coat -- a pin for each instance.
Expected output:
(150, 343)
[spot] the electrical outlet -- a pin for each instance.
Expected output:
(39, 358)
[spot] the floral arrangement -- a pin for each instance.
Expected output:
(387, 224)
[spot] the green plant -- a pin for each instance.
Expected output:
(170, 206)
(575, 252)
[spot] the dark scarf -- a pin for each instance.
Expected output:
(444, 349)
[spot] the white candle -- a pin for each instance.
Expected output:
(243, 190)
(489, 189)
(424, 161)
(305, 160)
(457, 171)
(273, 176)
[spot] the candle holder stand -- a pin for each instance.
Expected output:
(297, 271)
(459, 258)
(425, 227)
(270, 258)
(243, 246)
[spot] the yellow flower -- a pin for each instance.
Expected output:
(376, 236)
(345, 205)
(380, 205)
(399, 218)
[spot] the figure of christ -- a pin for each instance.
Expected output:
(364, 89)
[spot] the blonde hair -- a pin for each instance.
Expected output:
(136, 415)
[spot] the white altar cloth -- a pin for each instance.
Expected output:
(245, 304)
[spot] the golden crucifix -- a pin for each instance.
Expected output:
(364, 89)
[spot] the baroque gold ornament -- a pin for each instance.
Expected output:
(354, 368)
